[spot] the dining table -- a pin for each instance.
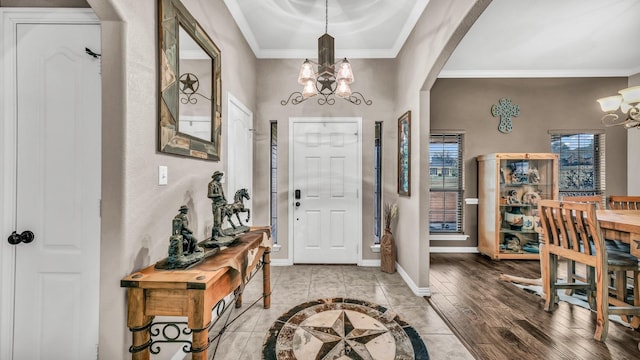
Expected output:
(624, 226)
(621, 225)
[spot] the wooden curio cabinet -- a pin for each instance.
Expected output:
(510, 185)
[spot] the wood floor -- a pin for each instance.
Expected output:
(497, 320)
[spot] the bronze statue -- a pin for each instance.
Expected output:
(181, 227)
(221, 211)
(183, 246)
(237, 207)
(218, 203)
(219, 236)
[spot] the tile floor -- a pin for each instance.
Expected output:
(292, 285)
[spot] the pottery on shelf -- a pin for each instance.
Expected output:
(514, 219)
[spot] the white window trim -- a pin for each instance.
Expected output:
(447, 237)
(453, 250)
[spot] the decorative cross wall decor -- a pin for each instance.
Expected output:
(506, 110)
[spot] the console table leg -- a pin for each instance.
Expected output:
(266, 278)
(200, 340)
(239, 300)
(139, 325)
(199, 318)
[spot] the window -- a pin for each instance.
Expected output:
(274, 181)
(581, 164)
(446, 183)
(377, 183)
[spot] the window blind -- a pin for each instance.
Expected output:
(377, 184)
(581, 165)
(446, 187)
(274, 181)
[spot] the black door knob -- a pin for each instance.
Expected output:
(26, 237)
(297, 203)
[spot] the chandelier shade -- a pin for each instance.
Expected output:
(610, 103)
(631, 95)
(345, 73)
(306, 73)
(331, 77)
(309, 89)
(627, 102)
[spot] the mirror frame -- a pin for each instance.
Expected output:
(171, 16)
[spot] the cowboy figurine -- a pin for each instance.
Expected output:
(181, 227)
(218, 203)
(183, 246)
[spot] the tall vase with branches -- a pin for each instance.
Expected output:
(388, 243)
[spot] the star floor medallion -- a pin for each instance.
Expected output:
(336, 329)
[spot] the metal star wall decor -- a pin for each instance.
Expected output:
(505, 110)
(189, 88)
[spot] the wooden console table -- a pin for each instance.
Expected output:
(195, 291)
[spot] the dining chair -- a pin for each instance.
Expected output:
(596, 199)
(572, 276)
(571, 231)
(620, 260)
(624, 202)
(619, 202)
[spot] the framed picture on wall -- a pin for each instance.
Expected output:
(404, 154)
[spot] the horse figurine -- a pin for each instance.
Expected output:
(237, 207)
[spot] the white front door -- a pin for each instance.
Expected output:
(52, 171)
(326, 182)
(239, 152)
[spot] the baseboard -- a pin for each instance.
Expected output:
(418, 291)
(288, 262)
(281, 262)
(370, 262)
(447, 249)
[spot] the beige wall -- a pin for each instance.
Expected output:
(276, 80)
(44, 3)
(433, 39)
(137, 213)
(545, 104)
(633, 149)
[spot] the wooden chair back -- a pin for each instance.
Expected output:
(571, 230)
(572, 275)
(597, 199)
(624, 202)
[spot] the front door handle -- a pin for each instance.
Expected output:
(26, 237)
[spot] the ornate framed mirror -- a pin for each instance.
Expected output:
(189, 101)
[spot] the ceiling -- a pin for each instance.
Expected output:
(291, 28)
(512, 38)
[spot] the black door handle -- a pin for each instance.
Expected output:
(26, 237)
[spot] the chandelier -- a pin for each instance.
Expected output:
(331, 77)
(627, 102)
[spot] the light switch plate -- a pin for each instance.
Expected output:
(163, 175)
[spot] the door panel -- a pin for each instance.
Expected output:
(57, 192)
(325, 168)
(239, 151)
